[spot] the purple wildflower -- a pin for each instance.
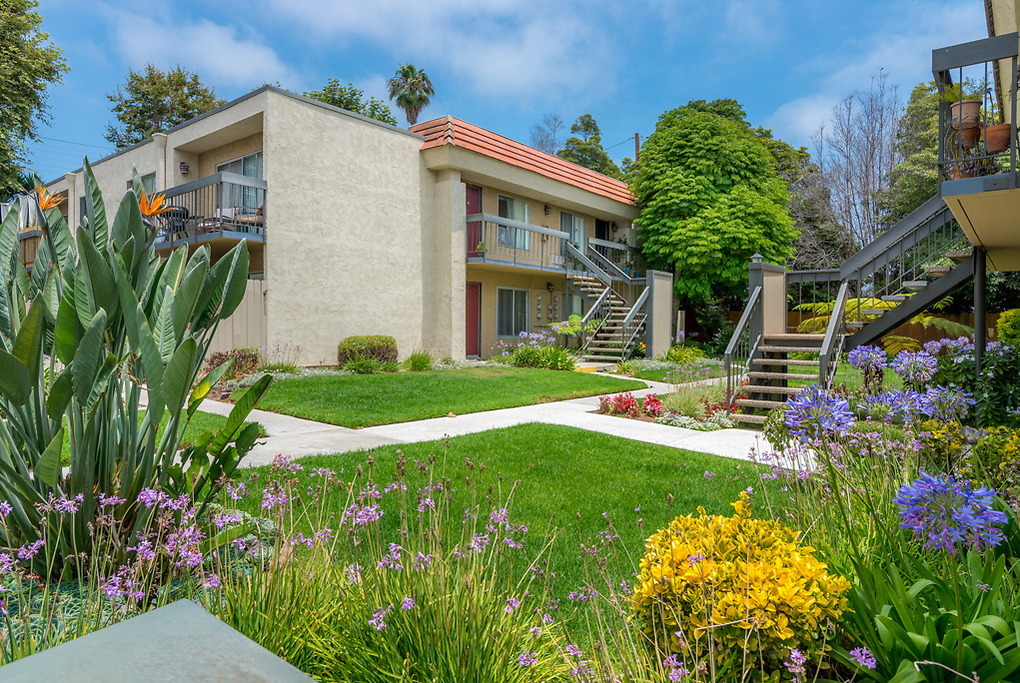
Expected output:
(407, 604)
(273, 497)
(582, 669)
(353, 573)
(377, 621)
(574, 651)
(514, 545)
(500, 516)
(795, 664)
(212, 581)
(479, 542)
(6, 563)
(426, 504)
(863, 657)
(947, 513)
(110, 501)
(362, 514)
(421, 562)
(391, 560)
(5, 508)
(526, 658)
(150, 498)
(237, 490)
(813, 413)
(678, 674)
(30, 550)
(511, 605)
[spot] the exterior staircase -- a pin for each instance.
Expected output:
(766, 363)
(619, 325)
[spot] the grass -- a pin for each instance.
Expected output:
(846, 376)
(562, 478)
(200, 423)
(660, 375)
(366, 400)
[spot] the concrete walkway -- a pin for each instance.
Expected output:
(296, 437)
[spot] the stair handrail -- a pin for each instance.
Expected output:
(917, 224)
(752, 306)
(834, 335)
(628, 321)
(636, 308)
(613, 270)
(599, 304)
(589, 264)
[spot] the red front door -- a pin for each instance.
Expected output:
(473, 320)
(474, 228)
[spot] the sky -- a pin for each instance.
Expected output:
(504, 64)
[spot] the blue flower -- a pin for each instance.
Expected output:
(867, 358)
(893, 406)
(918, 366)
(947, 513)
(948, 404)
(813, 413)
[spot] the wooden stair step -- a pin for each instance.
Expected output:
(743, 417)
(772, 348)
(759, 403)
(603, 358)
(760, 374)
(765, 389)
(960, 256)
(785, 361)
(795, 337)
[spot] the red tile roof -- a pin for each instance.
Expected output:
(451, 131)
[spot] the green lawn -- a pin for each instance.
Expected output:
(660, 375)
(565, 478)
(200, 423)
(386, 398)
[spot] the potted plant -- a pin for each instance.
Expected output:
(965, 112)
(997, 137)
(480, 249)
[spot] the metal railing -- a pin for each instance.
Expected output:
(599, 311)
(742, 346)
(977, 85)
(832, 342)
(623, 257)
(221, 202)
(634, 321)
(501, 240)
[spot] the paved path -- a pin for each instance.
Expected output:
(296, 437)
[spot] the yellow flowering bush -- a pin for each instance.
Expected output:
(737, 590)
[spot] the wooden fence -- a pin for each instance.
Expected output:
(247, 326)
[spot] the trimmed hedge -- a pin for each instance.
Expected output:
(1009, 326)
(376, 347)
(246, 361)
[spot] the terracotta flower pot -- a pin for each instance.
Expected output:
(961, 170)
(966, 113)
(969, 137)
(997, 137)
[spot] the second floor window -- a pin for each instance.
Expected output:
(247, 198)
(574, 226)
(515, 210)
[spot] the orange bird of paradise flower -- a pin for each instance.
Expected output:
(154, 206)
(45, 199)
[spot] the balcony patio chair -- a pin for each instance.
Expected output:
(174, 223)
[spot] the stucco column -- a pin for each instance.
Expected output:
(161, 169)
(73, 219)
(660, 312)
(445, 269)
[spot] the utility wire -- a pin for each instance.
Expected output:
(71, 142)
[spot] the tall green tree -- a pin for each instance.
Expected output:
(585, 148)
(152, 101)
(915, 179)
(710, 198)
(410, 88)
(29, 64)
(352, 98)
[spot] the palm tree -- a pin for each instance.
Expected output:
(410, 88)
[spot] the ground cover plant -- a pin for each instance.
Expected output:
(365, 400)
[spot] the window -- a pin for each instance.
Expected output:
(515, 210)
(511, 312)
(250, 166)
(573, 226)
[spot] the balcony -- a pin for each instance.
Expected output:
(220, 209)
(977, 155)
(501, 241)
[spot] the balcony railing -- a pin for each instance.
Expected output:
(501, 240)
(977, 85)
(215, 205)
(623, 256)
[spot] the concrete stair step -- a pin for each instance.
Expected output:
(937, 271)
(895, 297)
(875, 311)
(960, 256)
(915, 285)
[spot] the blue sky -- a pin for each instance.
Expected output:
(503, 64)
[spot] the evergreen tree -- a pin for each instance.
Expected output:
(585, 148)
(351, 98)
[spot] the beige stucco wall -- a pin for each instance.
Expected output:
(343, 230)
(537, 286)
(207, 161)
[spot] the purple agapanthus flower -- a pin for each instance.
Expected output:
(948, 514)
(814, 413)
(914, 366)
(894, 406)
(948, 404)
(867, 358)
(863, 657)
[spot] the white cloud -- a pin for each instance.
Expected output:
(902, 49)
(513, 48)
(216, 52)
(753, 21)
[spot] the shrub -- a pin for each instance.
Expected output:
(245, 361)
(389, 366)
(746, 584)
(378, 347)
(621, 404)
(709, 424)
(1009, 327)
(556, 358)
(626, 367)
(363, 366)
(652, 406)
(526, 357)
(683, 354)
(279, 368)
(419, 361)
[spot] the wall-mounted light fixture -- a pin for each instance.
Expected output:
(184, 168)
(548, 210)
(550, 287)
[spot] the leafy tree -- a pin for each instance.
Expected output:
(29, 63)
(410, 88)
(353, 99)
(710, 198)
(915, 179)
(585, 148)
(152, 101)
(545, 135)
